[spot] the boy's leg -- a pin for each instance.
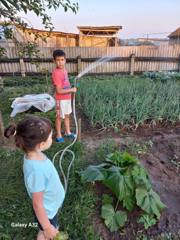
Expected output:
(58, 120)
(67, 124)
(58, 127)
(69, 134)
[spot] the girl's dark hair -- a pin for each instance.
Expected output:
(58, 53)
(29, 132)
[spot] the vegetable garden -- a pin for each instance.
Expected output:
(125, 180)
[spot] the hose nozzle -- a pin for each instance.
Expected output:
(76, 84)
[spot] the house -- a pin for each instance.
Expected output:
(153, 41)
(174, 37)
(144, 42)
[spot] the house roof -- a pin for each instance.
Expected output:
(154, 39)
(34, 30)
(103, 30)
(176, 33)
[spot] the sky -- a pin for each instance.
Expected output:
(157, 18)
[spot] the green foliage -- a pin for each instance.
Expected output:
(162, 76)
(116, 102)
(107, 147)
(113, 219)
(2, 52)
(147, 220)
(140, 177)
(28, 81)
(94, 173)
(106, 199)
(139, 147)
(122, 160)
(130, 183)
(149, 201)
(27, 50)
(121, 185)
(61, 236)
(9, 9)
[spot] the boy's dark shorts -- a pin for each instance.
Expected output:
(53, 221)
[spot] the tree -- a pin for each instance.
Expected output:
(9, 9)
(8, 16)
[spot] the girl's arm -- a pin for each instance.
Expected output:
(37, 200)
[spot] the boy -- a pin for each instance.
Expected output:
(63, 92)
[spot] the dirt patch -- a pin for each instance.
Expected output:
(162, 162)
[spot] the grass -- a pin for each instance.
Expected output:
(128, 101)
(15, 205)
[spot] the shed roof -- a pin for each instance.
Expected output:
(176, 33)
(101, 30)
(55, 33)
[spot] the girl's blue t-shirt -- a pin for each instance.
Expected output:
(42, 176)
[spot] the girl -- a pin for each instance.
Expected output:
(33, 135)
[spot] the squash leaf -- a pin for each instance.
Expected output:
(113, 220)
(94, 173)
(121, 185)
(149, 201)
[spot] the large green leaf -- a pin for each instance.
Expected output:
(140, 177)
(94, 173)
(121, 185)
(129, 202)
(113, 220)
(121, 218)
(149, 201)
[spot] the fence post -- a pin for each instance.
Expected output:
(1, 83)
(1, 128)
(22, 67)
(131, 64)
(78, 64)
(179, 64)
(79, 129)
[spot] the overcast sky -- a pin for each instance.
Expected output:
(137, 17)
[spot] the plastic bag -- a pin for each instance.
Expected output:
(43, 102)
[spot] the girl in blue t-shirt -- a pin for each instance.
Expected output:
(33, 135)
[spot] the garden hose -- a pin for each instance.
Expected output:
(66, 149)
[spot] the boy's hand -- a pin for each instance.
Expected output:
(74, 90)
(50, 232)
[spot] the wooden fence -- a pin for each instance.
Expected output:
(125, 59)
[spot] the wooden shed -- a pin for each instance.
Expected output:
(174, 37)
(106, 36)
(53, 39)
(88, 36)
